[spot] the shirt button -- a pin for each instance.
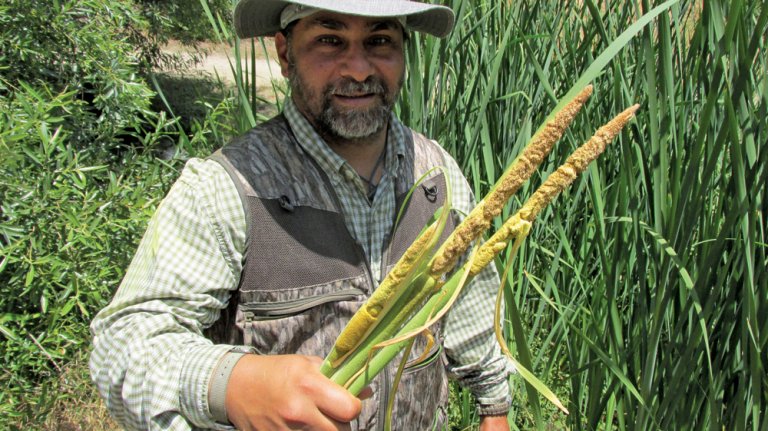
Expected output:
(349, 174)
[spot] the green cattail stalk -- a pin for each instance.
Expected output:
(365, 320)
(391, 294)
(364, 350)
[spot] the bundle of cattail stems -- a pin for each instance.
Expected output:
(423, 285)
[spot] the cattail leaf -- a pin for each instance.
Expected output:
(597, 66)
(604, 357)
(537, 384)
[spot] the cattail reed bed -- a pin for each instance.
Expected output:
(641, 296)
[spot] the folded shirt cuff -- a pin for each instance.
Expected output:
(495, 400)
(217, 389)
(496, 409)
(491, 388)
(200, 363)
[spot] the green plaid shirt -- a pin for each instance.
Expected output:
(151, 363)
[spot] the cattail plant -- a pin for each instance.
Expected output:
(415, 293)
(373, 312)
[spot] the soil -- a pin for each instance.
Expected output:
(216, 60)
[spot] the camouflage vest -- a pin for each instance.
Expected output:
(304, 275)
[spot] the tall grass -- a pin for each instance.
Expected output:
(641, 295)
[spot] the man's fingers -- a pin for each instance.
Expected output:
(333, 400)
(342, 426)
(315, 360)
(338, 404)
(287, 392)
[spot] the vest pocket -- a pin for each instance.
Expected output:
(276, 310)
(423, 393)
(286, 322)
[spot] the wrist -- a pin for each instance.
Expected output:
(217, 390)
(493, 410)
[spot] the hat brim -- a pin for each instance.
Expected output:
(254, 18)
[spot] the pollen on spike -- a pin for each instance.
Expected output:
(575, 164)
(479, 220)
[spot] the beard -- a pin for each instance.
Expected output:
(348, 124)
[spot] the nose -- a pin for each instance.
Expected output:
(356, 64)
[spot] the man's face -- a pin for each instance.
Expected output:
(345, 72)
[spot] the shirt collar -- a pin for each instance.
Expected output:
(311, 142)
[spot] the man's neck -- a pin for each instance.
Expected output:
(361, 154)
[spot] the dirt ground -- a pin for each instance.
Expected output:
(216, 59)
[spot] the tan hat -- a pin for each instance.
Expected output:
(255, 18)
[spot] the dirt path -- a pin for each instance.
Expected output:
(216, 60)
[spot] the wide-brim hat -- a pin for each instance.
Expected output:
(254, 18)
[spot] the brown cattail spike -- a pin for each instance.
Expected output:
(519, 223)
(479, 220)
(575, 165)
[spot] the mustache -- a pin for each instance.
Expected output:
(350, 87)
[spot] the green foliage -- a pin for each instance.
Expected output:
(85, 50)
(83, 163)
(641, 291)
(69, 219)
(185, 20)
(645, 285)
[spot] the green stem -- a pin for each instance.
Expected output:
(384, 356)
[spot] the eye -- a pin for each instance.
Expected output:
(329, 40)
(379, 41)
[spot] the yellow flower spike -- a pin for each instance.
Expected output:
(479, 219)
(554, 184)
(364, 320)
(514, 227)
(393, 297)
(353, 364)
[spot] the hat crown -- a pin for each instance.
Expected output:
(255, 18)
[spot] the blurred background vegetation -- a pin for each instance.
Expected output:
(640, 297)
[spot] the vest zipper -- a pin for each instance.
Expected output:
(248, 329)
(270, 311)
(371, 283)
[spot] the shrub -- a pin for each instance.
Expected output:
(80, 175)
(86, 49)
(68, 220)
(186, 21)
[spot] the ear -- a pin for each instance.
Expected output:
(281, 46)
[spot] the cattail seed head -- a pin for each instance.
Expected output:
(366, 318)
(479, 220)
(575, 165)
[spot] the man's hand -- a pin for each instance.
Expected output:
(287, 392)
(494, 423)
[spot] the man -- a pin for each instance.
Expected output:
(271, 244)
